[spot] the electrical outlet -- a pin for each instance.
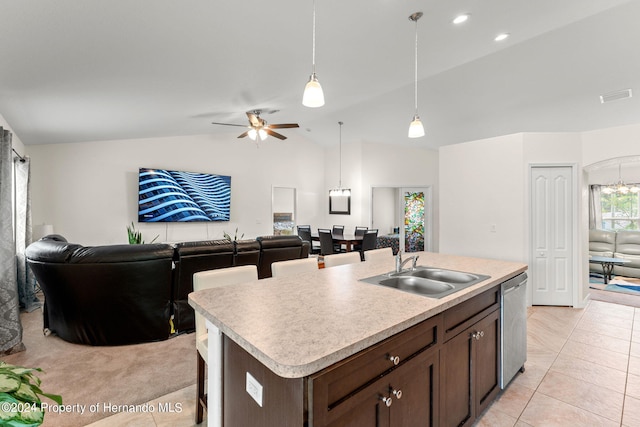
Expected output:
(254, 389)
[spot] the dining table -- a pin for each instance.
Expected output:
(348, 240)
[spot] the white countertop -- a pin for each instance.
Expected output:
(300, 324)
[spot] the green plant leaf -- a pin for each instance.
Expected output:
(9, 382)
(25, 393)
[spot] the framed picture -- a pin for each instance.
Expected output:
(340, 205)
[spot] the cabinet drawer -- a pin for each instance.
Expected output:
(458, 318)
(339, 381)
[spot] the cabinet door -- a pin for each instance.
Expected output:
(418, 382)
(486, 361)
(455, 380)
(405, 397)
(470, 363)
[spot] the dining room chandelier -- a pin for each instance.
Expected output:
(340, 191)
(416, 130)
(620, 187)
(313, 96)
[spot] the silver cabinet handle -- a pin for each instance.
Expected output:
(387, 400)
(395, 360)
(477, 335)
(397, 393)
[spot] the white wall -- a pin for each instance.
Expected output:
(88, 191)
(384, 212)
(482, 198)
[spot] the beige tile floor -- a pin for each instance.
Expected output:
(582, 369)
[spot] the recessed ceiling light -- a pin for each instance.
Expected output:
(501, 37)
(461, 18)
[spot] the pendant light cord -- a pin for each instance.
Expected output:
(340, 161)
(313, 50)
(416, 70)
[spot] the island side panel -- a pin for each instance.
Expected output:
(282, 398)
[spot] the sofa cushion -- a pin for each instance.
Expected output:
(602, 242)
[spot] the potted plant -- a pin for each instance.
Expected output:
(235, 236)
(135, 236)
(20, 403)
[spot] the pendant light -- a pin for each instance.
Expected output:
(416, 130)
(340, 191)
(313, 96)
(620, 187)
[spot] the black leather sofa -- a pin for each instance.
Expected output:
(104, 295)
(125, 294)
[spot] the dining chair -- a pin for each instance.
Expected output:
(379, 255)
(369, 241)
(305, 235)
(293, 266)
(326, 241)
(338, 230)
(206, 280)
(360, 231)
(341, 259)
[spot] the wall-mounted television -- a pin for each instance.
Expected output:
(177, 196)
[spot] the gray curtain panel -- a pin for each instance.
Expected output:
(26, 282)
(10, 326)
(595, 207)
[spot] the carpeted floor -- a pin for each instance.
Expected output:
(86, 375)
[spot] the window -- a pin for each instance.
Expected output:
(620, 211)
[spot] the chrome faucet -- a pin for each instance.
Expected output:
(400, 262)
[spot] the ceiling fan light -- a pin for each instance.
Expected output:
(313, 96)
(262, 134)
(253, 134)
(416, 130)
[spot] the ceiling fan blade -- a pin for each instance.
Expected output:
(284, 126)
(243, 134)
(228, 124)
(274, 134)
(253, 119)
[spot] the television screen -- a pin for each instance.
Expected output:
(175, 196)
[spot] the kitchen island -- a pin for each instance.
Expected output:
(310, 341)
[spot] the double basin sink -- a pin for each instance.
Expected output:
(427, 281)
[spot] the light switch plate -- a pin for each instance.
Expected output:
(254, 388)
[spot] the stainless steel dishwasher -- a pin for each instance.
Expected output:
(513, 326)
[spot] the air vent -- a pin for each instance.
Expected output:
(614, 96)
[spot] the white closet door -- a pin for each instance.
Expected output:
(552, 235)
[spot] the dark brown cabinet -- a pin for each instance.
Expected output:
(394, 383)
(406, 397)
(470, 364)
(442, 371)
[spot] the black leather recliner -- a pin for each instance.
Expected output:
(190, 258)
(104, 295)
(279, 248)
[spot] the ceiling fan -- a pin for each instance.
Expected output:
(258, 127)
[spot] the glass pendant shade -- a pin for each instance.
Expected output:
(313, 96)
(416, 130)
(261, 134)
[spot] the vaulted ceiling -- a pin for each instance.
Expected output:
(89, 70)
